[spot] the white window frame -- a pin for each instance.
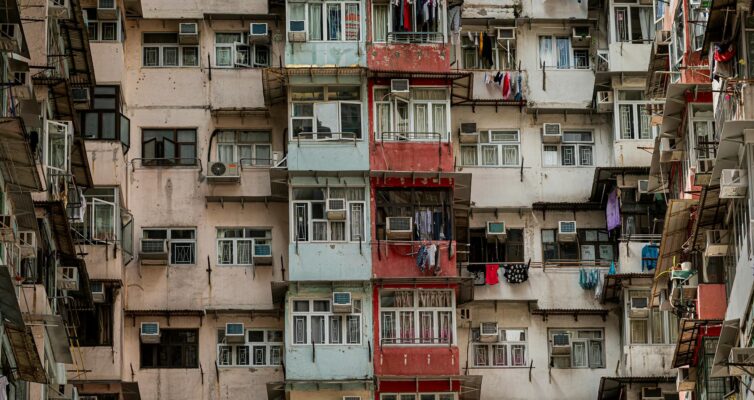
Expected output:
(635, 106)
(400, 135)
(92, 203)
(161, 53)
(340, 135)
(491, 348)
(694, 145)
(171, 241)
(324, 21)
(553, 57)
(486, 141)
(577, 146)
(576, 339)
(235, 47)
(628, 5)
(416, 310)
(348, 233)
(237, 144)
(442, 33)
(664, 318)
(328, 316)
(99, 24)
(499, 50)
(419, 396)
(253, 240)
(233, 349)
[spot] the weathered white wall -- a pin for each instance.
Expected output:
(195, 9)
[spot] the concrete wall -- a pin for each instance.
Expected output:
(554, 9)
(195, 9)
(629, 57)
(109, 62)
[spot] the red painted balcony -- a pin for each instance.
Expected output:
(415, 57)
(710, 301)
(402, 360)
(399, 259)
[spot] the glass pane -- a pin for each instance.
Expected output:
(439, 119)
(468, 155)
(380, 22)
(334, 22)
(108, 126)
(579, 356)
(170, 56)
(567, 155)
(315, 22)
(480, 355)
(326, 115)
(350, 118)
(190, 56)
(318, 328)
(225, 252)
(352, 21)
(638, 328)
(489, 155)
(335, 329)
(420, 118)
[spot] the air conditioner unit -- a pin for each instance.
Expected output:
(399, 86)
(744, 357)
(259, 32)
(496, 230)
(67, 278)
(604, 101)
(220, 172)
(11, 37)
(149, 332)
(296, 31)
(336, 209)
(399, 227)
(551, 133)
(341, 302)
(561, 344)
(27, 243)
(107, 10)
(8, 228)
(488, 332)
(98, 292)
(566, 231)
(642, 186)
(468, 133)
(351, 397)
(651, 393)
(277, 156)
(581, 36)
(639, 307)
(686, 379)
(188, 33)
(235, 332)
(669, 153)
(80, 94)
(733, 183)
(717, 243)
(506, 33)
(153, 251)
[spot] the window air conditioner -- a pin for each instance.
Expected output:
(153, 251)
(188, 33)
(336, 209)
(235, 332)
(80, 94)
(296, 31)
(717, 243)
(733, 184)
(551, 133)
(258, 32)
(639, 307)
(399, 227)
(106, 10)
(27, 242)
(468, 133)
(642, 186)
(581, 36)
(506, 33)
(488, 332)
(67, 278)
(399, 86)
(651, 393)
(604, 101)
(150, 332)
(98, 292)
(496, 230)
(686, 379)
(744, 356)
(8, 228)
(341, 302)
(566, 231)
(561, 344)
(220, 172)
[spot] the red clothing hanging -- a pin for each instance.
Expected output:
(406, 15)
(490, 274)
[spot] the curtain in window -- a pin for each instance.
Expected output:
(388, 325)
(425, 326)
(407, 326)
(645, 127)
(335, 329)
(621, 24)
(546, 51)
(579, 354)
(434, 298)
(225, 153)
(564, 52)
(489, 155)
(380, 21)
(420, 118)
(518, 355)
(500, 355)
(262, 156)
(638, 328)
(550, 156)
(104, 218)
(641, 24)
(352, 21)
(338, 231)
(320, 230)
(658, 331)
(480, 355)
(510, 155)
(468, 155)
(244, 250)
(318, 328)
(438, 119)
(224, 251)
(315, 22)
(353, 329)
(595, 354)
(383, 119)
(401, 108)
(626, 116)
(445, 325)
(334, 22)
(404, 299)
(428, 94)
(170, 56)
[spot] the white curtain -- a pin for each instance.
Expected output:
(315, 22)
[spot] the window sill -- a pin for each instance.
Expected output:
(309, 345)
(172, 368)
(500, 367)
(170, 66)
(403, 345)
(106, 41)
(247, 366)
(568, 166)
(492, 166)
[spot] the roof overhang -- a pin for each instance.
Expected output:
(605, 177)
(690, 335)
(731, 142)
(28, 365)
(674, 234)
(728, 340)
(657, 183)
(9, 308)
(611, 387)
(678, 95)
(19, 164)
(721, 22)
(709, 216)
(615, 283)
(468, 386)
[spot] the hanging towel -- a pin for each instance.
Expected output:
(649, 254)
(491, 277)
(431, 255)
(406, 16)
(506, 86)
(421, 258)
(516, 273)
(438, 269)
(520, 93)
(481, 45)
(612, 268)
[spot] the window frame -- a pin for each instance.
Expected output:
(636, 115)
(327, 318)
(666, 319)
(184, 347)
(248, 236)
(311, 222)
(416, 310)
(180, 49)
(98, 27)
(237, 144)
(315, 104)
(500, 145)
(499, 53)
(491, 348)
(234, 349)
(251, 61)
(324, 20)
(576, 145)
(176, 161)
(119, 118)
(399, 135)
(168, 237)
(587, 342)
(89, 224)
(418, 396)
(418, 36)
(555, 54)
(629, 6)
(580, 243)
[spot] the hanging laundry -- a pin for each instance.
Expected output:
(486, 51)
(421, 258)
(506, 86)
(423, 222)
(649, 254)
(588, 279)
(516, 273)
(491, 277)
(520, 93)
(514, 85)
(431, 255)
(612, 270)
(438, 269)
(406, 15)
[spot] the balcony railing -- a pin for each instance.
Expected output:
(411, 137)
(415, 37)
(446, 340)
(327, 137)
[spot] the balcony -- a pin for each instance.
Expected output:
(398, 259)
(416, 359)
(412, 151)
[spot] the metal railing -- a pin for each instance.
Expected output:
(415, 37)
(326, 137)
(411, 136)
(168, 162)
(447, 340)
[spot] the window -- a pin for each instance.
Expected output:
(262, 348)
(100, 222)
(109, 31)
(633, 23)
(650, 326)
(497, 148)
(249, 148)
(634, 119)
(698, 16)
(310, 207)
(181, 241)
(161, 49)
(178, 348)
(429, 208)
(326, 21)
(104, 120)
(325, 113)
(576, 348)
(422, 117)
(703, 146)
(168, 147)
(592, 245)
(238, 246)
(418, 396)
(315, 323)
(95, 327)
(556, 52)
(483, 250)
(418, 23)
(417, 317)
(234, 50)
(503, 53)
(508, 351)
(575, 150)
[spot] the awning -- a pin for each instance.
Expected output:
(9, 308)
(675, 231)
(11, 15)
(657, 182)
(709, 215)
(614, 284)
(731, 140)
(611, 387)
(58, 336)
(605, 177)
(721, 22)
(690, 337)
(130, 391)
(23, 209)
(659, 66)
(278, 292)
(676, 99)
(19, 165)
(568, 206)
(574, 312)
(74, 35)
(61, 229)
(728, 340)
(28, 365)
